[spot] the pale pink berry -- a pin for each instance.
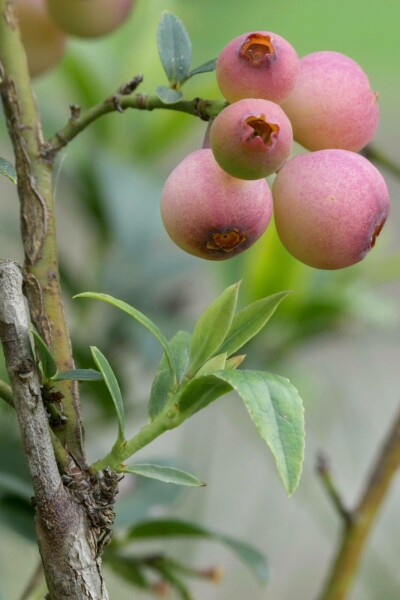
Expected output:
(332, 105)
(261, 64)
(329, 207)
(211, 214)
(251, 138)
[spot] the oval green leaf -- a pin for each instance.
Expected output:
(276, 409)
(136, 314)
(8, 170)
(168, 95)
(79, 375)
(174, 47)
(206, 67)
(165, 474)
(158, 528)
(49, 365)
(250, 320)
(113, 387)
(212, 328)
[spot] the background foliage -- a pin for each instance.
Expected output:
(336, 336)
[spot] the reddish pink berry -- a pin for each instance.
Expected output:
(210, 214)
(251, 138)
(257, 65)
(329, 207)
(332, 105)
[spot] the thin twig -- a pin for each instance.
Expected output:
(325, 473)
(382, 159)
(119, 102)
(6, 393)
(355, 534)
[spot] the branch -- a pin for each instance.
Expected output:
(324, 471)
(68, 543)
(41, 277)
(355, 534)
(119, 102)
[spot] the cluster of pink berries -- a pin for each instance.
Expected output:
(329, 204)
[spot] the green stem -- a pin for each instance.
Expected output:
(205, 109)
(356, 532)
(42, 281)
(6, 393)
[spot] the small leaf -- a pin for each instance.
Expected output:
(235, 361)
(206, 67)
(7, 169)
(174, 47)
(199, 393)
(136, 314)
(216, 363)
(276, 409)
(168, 575)
(250, 320)
(158, 528)
(113, 387)
(179, 346)
(79, 375)
(49, 366)
(168, 95)
(165, 474)
(212, 328)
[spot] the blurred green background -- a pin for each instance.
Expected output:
(335, 337)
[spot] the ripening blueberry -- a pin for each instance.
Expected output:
(89, 18)
(43, 40)
(332, 104)
(329, 207)
(251, 138)
(257, 65)
(210, 214)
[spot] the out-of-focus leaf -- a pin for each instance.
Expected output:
(276, 409)
(212, 327)
(165, 474)
(8, 170)
(18, 515)
(9, 484)
(136, 314)
(127, 567)
(179, 346)
(168, 95)
(174, 47)
(49, 366)
(159, 528)
(249, 321)
(79, 375)
(113, 387)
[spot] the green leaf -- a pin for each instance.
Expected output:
(179, 346)
(199, 393)
(168, 574)
(79, 375)
(136, 314)
(216, 363)
(174, 47)
(165, 474)
(250, 320)
(18, 515)
(157, 528)
(11, 485)
(168, 95)
(7, 169)
(235, 361)
(49, 366)
(113, 387)
(276, 409)
(206, 67)
(212, 328)
(127, 567)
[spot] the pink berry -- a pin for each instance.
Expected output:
(257, 65)
(251, 138)
(89, 18)
(43, 40)
(210, 214)
(329, 207)
(332, 105)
